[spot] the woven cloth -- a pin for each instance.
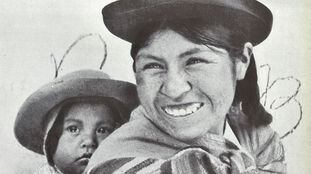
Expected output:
(141, 147)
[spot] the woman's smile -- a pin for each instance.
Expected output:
(182, 110)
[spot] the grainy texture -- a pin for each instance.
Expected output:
(33, 30)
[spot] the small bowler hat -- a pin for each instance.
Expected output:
(30, 129)
(127, 18)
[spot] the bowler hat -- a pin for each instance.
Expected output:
(127, 18)
(30, 123)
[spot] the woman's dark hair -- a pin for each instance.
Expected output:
(215, 34)
(119, 111)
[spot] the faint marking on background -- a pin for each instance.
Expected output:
(282, 101)
(80, 38)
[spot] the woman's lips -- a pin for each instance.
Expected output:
(182, 110)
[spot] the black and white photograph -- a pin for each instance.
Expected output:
(155, 87)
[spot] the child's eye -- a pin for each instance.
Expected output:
(73, 129)
(103, 130)
(193, 61)
(153, 66)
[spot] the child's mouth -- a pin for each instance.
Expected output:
(84, 159)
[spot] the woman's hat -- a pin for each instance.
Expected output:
(30, 123)
(126, 18)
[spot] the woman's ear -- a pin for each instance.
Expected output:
(242, 63)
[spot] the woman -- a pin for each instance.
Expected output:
(194, 69)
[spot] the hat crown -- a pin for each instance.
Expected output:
(127, 18)
(84, 74)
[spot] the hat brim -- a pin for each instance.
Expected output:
(126, 18)
(29, 125)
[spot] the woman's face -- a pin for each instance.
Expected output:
(186, 88)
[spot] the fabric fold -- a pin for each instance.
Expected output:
(140, 140)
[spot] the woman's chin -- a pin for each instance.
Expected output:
(187, 135)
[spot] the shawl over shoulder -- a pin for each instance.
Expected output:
(139, 146)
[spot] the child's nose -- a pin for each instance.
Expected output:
(89, 141)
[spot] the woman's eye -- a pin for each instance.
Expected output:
(73, 129)
(153, 66)
(193, 61)
(103, 130)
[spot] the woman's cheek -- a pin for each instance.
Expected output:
(147, 86)
(139, 79)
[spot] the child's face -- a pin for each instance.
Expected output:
(84, 127)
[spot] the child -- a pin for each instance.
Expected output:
(67, 119)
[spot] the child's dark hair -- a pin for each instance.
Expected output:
(211, 33)
(118, 110)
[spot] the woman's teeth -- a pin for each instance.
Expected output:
(182, 110)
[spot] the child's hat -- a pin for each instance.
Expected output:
(30, 123)
(127, 18)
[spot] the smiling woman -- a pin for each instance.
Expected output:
(195, 71)
(175, 87)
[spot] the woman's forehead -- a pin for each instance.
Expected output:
(170, 43)
(168, 37)
(199, 33)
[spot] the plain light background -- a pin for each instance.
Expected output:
(32, 30)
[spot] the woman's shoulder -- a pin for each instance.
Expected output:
(47, 169)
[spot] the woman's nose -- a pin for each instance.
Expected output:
(89, 141)
(175, 85)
